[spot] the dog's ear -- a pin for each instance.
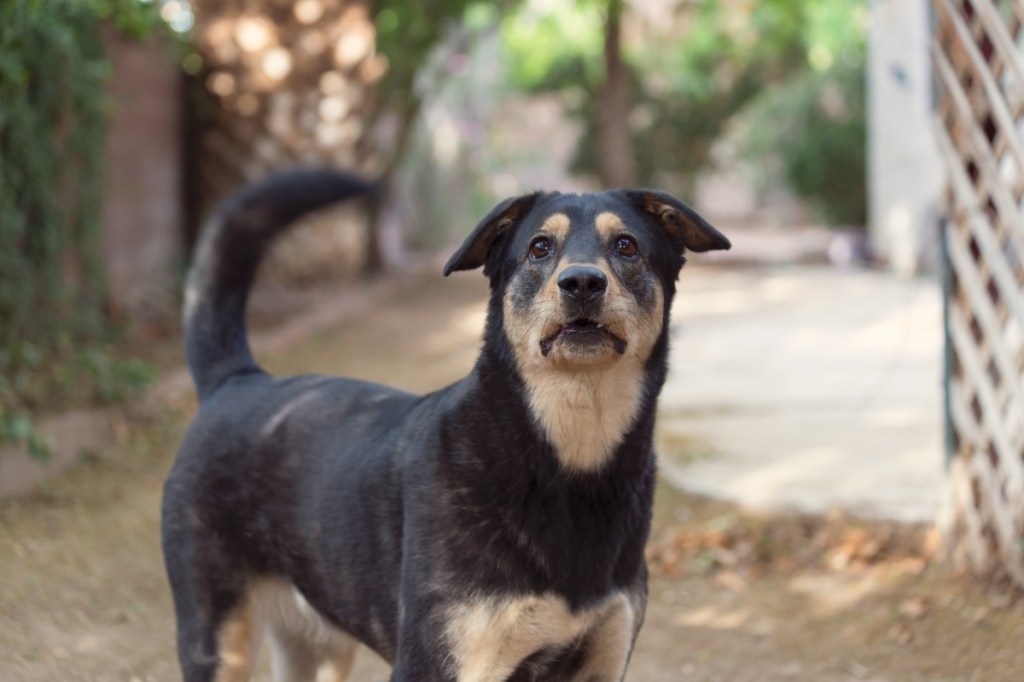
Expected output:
(478, 245)
(685, 227)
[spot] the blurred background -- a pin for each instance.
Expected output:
(842, 434)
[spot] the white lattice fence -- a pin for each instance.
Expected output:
(978, 55)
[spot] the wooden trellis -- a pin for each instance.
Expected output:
(978, 58)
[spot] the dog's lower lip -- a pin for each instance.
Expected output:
(581, 328)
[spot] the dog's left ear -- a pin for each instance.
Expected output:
(685, 227)
(474, 251)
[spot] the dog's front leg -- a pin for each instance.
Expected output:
(422, 655)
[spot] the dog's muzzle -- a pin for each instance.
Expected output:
(582, 288)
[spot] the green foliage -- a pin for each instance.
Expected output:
(688, 91)
(813, 126)
(555, 47)
(89, 375)
(687, 81)
(53, 69)
(775, 64)
(34, 379)
(133, 18)
(19, 427)
(407, 32)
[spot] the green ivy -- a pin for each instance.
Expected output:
(53, 71)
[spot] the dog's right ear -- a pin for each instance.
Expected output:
(684, 226)
(475, 250)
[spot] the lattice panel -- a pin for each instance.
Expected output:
(978, 57)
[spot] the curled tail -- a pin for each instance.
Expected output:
(230, 249)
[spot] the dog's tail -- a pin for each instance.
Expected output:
(232, 244)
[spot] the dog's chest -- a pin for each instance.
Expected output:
(585, 415)
(491, 637)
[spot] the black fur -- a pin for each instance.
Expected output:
(381, 507)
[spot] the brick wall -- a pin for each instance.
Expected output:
(142, 211)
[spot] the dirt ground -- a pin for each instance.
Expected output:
(734, 596)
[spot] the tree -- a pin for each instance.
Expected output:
(616, 166)
(408, 31)
(655, 94)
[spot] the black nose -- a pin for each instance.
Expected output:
(582, 282)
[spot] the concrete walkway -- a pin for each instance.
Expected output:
(807, 387)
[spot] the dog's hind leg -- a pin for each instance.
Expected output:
(304, 646)
(294, 659)
(218, 632)
(216, 644)
(237, 644)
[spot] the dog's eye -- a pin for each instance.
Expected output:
(540, 247)
(626, 246)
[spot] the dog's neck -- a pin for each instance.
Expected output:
(587, 414)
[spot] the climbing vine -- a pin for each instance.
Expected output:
(53, 69)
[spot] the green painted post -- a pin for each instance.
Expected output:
(947, 346)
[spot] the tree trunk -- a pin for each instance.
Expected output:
(375, 260)
(615, 162)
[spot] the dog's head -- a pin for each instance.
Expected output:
(585, 279)
(581, 286)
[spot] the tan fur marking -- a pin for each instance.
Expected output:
(341, 665)
(557, 225)
(236, 646)
(304, 646)
(585, 405)
(609, 645)
(490, 637)
(608, 225)
(586, 414)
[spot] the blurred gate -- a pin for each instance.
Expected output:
(978, 56)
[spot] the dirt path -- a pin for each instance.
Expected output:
(83, 595)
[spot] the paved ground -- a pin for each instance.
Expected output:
(808, 387)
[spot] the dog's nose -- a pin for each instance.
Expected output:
(582, 282)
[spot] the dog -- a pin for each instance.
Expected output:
(492, 530)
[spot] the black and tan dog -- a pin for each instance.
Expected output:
(493, 530)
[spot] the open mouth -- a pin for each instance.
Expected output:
(583, 332)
